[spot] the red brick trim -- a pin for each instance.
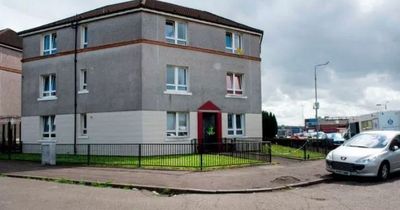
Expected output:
(144, 41)
(3, 68)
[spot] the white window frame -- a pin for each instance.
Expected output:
(234, 48)
(51, 93)
(52, 50)
(175, 39)
(83, 126)
(84, 43)
(177, 129)
(82, 84)
(51, 134)
(234, 128)
(176, 84)
(234, 89)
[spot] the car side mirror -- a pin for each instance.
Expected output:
(395, 148)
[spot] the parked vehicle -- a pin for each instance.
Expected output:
(372, 153)
(337, 138)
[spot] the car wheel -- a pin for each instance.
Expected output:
(384, 171)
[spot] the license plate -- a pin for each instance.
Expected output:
(346, 173)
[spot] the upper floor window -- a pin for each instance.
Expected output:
(235, 124)
(83, 125)
(177, 78)
(83, 80)
(234, 83)
(176, 32)
(50, 44)
(84, 37)
(177, 124)
(233, 42)
(48, 86)
(49, 127)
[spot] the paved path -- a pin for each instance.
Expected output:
(20, 194)
(266, 176)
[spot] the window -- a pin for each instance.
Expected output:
(83, 125)
(235, 124)
(177, 78)
(234, 83)
(177, 124)
(84, 37)
(83, 80)
(49, 86)
(176, 32)
(50, 44)
(49, 127)
(233, 42)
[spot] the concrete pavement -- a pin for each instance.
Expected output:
(229, 180)
(20, 194)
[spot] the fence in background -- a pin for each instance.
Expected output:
(304, 149)
(193, 155)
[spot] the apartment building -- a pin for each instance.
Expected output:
(10, 74)
(141, 72)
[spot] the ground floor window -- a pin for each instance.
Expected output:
(236, 124)
(177, 124)
(49, 127)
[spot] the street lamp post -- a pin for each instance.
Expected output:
(316, 104)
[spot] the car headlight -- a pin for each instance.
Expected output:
(367, 160)
(330, 156)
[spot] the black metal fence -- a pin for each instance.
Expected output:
(304, 149)
(193, 155)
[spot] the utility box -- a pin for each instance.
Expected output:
(48, 149)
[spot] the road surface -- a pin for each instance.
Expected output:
(343, 194)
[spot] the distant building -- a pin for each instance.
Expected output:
(10, 86)
(327, 124)
(286, 131)
(10, 74)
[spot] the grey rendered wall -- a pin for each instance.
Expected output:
(101, 32)
(199, 35)
(206, 79)
(113, 82)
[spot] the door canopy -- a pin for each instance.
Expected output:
(209, 106)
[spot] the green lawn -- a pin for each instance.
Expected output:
(289, 152)
(191, 161)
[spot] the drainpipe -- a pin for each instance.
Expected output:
(75, 27)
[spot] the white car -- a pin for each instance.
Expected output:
(373, 153)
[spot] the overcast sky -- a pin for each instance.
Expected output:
(360, 38)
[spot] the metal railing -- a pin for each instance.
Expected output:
(197, 156)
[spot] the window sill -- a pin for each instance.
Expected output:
(83, 137)
(49, 98)
(235, 96)
(83, 92)
(169, 92)
(177, 139)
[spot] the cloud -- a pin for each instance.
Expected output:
(360, 38)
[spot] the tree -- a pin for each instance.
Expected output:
(269, 125)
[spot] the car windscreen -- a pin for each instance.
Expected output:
(368, 140)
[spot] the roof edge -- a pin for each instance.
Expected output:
(141, 5)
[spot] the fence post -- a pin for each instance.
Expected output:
(305, 150)
(140, 156)
(270, 152)
(9, 138)
(88, 154)
(201, 156)
(326, 146)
